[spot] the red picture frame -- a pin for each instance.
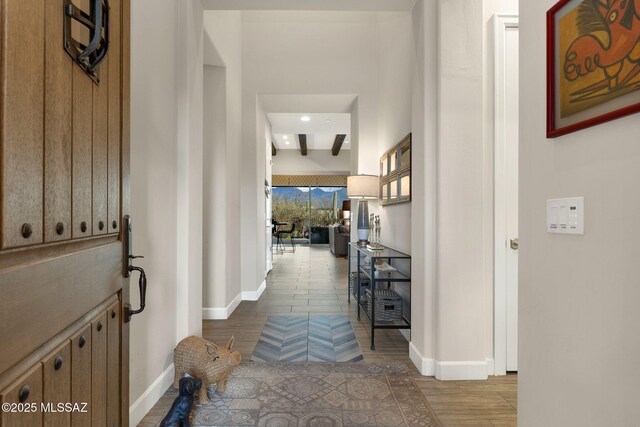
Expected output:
(554, 131)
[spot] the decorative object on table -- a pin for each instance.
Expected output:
(178, 415)
(388, 305)
(375, 245)
(395, 174)
(363, 188)
(372, 228)
(383, 267)
(206, 361)
(593, 63)
(267, 188)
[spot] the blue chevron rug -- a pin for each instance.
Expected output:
(307, 339)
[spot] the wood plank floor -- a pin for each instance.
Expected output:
(313, 281)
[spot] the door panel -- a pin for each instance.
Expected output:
(60, 291)
(81, 375)
(82, 153)
(115, 102)
(100, 150)
(64, 148)
(99, 370)
(113, 364)
(29, 388)
(22, 121)
(57, 129)
(57, 385)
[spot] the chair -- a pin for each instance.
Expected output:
(280, 244)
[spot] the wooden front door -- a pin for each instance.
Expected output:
(64, 175)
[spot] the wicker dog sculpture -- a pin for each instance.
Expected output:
(206, 361)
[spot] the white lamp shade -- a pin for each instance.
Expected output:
(362, 187)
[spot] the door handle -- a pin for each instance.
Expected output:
(515, 244)
(128, 268)
(142, 285)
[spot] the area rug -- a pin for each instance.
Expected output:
(317, 395)
(307, 339)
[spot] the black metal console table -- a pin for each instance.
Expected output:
(376, 278)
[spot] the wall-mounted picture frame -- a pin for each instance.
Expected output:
(593, 63)
(395, 174)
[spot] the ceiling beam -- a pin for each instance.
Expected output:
(337, 144)
(273, 150)
(303, 144)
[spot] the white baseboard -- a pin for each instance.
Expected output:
(468, 370)
(222, 313)
(254, 296)
(425, 365)
(150, 397)
(491, 366)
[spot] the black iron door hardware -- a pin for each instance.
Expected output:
(128, 268)
(88, 56)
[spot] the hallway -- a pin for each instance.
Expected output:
(312, 281)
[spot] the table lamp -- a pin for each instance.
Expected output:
(363, 188)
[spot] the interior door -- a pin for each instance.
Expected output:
(64, 168)
(268, 206)
(511, 154)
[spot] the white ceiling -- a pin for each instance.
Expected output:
(346, 5)
(321, 130)
(308, 103)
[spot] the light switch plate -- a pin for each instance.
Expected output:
(565, 216)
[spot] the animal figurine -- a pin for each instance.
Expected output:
(205, 360)
(178, 415)
(609, 35)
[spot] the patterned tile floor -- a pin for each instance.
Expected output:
(314, 338)
(318, 395)
(313, 282)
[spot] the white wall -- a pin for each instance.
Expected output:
(423, 204)
(154, 128)
(190, 169)
(316, 162)
(216, 292)
(222, 292)
(153, 189)
(166, 188)
(452, 207)
(396, 67)
(579, 295)
(460, 312)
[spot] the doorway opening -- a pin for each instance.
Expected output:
(304, 214)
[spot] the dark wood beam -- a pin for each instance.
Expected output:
(273, 150)
(303, 144)
(337, 144)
